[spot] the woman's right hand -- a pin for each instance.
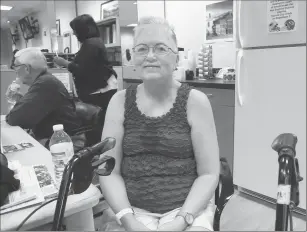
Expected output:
(130, 223)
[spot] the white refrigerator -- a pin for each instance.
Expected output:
(270, 91)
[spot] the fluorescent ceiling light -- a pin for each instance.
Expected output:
(135, 3)
(8, 21)
(6, 7)
(132, 25)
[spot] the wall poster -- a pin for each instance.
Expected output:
(219, 20)
(109, 9)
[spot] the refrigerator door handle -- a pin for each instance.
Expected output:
(238, 77)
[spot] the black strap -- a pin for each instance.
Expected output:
(130, 99)
(8, 183)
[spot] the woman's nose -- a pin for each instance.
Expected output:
(151, 53)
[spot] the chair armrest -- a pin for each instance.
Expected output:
(82, 130)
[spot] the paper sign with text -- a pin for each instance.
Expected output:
(282, 16)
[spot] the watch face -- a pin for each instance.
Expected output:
(189, 219)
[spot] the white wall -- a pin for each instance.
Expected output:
(127, 10)
(223, 54)
(126, 38)
(65, 11)
(150, 8)
(189, 21)
(6, 47)
(128, 13)
(21, 42)
(46, 20)
(89, 7)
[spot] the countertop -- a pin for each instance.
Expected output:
(214, 83)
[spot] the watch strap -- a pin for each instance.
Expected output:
(123, 212)
(184, 215)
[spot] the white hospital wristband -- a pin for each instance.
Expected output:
(123, 212)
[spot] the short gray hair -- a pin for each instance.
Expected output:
(158, 21)
(32, 56)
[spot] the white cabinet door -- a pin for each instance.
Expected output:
(252, 25)
(273, 85)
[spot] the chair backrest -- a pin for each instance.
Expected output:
(223, 192)
(88, 113)
(92, 118)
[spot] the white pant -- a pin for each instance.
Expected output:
(153, 220)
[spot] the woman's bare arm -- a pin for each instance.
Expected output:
(113, 186)
(206, 151)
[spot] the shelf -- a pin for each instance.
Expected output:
(107, 21)
(219, 41)
(112, 45)
(109, 31)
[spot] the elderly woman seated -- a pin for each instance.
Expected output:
(167, 155)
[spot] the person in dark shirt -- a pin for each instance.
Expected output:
(95, 79)
(47, 101)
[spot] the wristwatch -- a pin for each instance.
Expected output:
(189, 218)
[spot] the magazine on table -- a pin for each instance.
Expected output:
(36, 185)
(29, 192)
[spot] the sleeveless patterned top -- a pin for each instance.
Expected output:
(158, 165)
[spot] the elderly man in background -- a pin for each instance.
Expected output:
(47, 101)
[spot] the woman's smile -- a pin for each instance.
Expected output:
(152, 67)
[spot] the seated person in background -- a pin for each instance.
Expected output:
(47, 101)
(167, 155)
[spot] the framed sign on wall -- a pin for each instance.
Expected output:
(109, 9)
(26, 28)
(219, 21)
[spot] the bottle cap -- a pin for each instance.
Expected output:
(58, 127)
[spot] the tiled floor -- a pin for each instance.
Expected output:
(244, 213)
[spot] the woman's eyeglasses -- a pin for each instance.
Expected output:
(158, 49)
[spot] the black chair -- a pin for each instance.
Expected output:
(92, 118)
(223, 192)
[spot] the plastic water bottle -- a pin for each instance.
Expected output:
(61, 148)
(11, 92)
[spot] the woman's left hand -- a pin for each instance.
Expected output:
(60, 61)
(178, 224)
